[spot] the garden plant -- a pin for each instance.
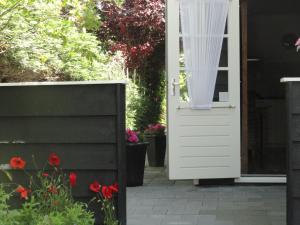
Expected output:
(135, 158)
(55, 40)
(156, 151)
(137, 29)
(46, 199)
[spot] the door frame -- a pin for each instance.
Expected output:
(245, 177)
(174, 67)
(244, 85)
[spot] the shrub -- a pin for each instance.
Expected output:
(49, 39)
(116, 71)
(137, 29)
(47, 200)
(31, 214)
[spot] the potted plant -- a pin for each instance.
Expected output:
(136, 155)
(156, 151)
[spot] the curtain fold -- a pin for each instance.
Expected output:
(203, 25)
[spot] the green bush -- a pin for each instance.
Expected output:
(116, 71)
(51, 38)
(31, 214)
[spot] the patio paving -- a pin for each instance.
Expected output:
(164, 202)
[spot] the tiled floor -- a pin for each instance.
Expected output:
(164, 202)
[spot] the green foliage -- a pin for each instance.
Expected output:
(73, 214)
(116, 71)
(52, 40)
(82, 12)
(5, 216)
(50, 37)
(30, 214)
(152, 89)
(39, 209)
(133, 100)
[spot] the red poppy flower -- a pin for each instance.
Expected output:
(23, 192)
(95, 187)
(17, 163)
(107, 192)
(72, 178)
(114, 187)
(45, 174)
(53, 190)
(54, 160)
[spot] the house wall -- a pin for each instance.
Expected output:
(293, 130)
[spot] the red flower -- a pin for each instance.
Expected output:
(45, 174)
(23, 192)
(53, 190)
(54, 160)
(95, 187)
(17, 163)
(72, 178)
(131, 136)
(114, 188)
(107, 192)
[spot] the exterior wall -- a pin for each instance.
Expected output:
(293, 176)
(83, 123)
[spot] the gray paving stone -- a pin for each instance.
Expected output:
(164, 202)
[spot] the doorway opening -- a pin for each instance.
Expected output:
(272, 28)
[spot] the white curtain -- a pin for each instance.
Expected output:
(203, 25)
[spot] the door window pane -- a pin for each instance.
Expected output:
(221, 90)
(184, 97)
(224, 54)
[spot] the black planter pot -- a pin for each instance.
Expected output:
(156, 150)
(136, 154)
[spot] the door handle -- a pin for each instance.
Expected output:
(231, 106)
(174, 84)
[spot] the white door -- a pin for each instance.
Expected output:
(204, 144)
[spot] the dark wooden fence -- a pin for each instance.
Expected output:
(293, 174)
(82, 122)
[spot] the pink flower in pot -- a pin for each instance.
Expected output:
(131, 136)
(297, 44)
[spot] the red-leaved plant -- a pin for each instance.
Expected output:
(135, 28)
